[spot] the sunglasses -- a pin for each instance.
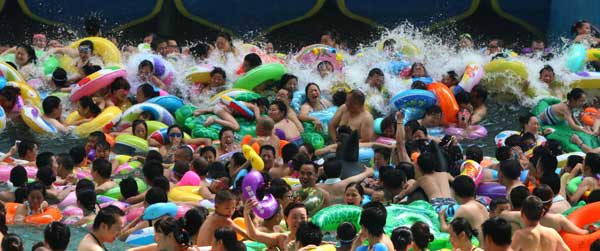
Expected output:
(85, 49)
(175, 134)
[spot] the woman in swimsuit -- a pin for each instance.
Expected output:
(35, 203)
(555, 114)
(314, 103)
(283, 126)
(119, 90)
(461, 234)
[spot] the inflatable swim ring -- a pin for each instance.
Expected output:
(473, 132)
(259, 75)
(446, 101)
(131, 144)
(5, 172)
(471, 77)
(472, 169)
(142, 236)
(403, 45)
(198, 74)
(10, 73)
(576, 57)
(32, 117)
(585, 80)
(238, 106)
(316, 53)
(29, 95)
(104, 48)
(587, 214)
(49, 215)
(492, 190)
(329, 218)
(163, 69)
(161, 136)
(237, 94)
(115, 192)
(103, 122)
(185, 194)
(132, 113)
(420, 99)
(159, 209)
(96, 81)
(169, 102)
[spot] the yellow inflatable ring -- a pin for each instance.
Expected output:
(104, 48)
(29, 95)
(103, 122)
(403, 45)
(185, 194)
(32, 117)
(10, 73)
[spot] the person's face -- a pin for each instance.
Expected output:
(288, 197)
(227, 138)
(537, 46)
(308, 176)
(465, 43)
(172, 47)
(54, 44)
(226, 208)
(585, 28)
(162, 49)
(580, 102)
(148, 39)
(162, 240)
(282, 95)
(275, 113)
(533, 125)
(222, 44)
(122, 94)
(21, 56)
(268, 157)
(85, 52)
(35, 199)
(389, 132)
(419, 135)
(291, 84)
(269, 48)
(140, 131)
(219, 184)
(102, 153)
(376, 81)
(455, 239)
(547, 76)
(433, 119)
(493, 46)
(5, 103)
(145, 72)
(209, 156)
(379, 160)
(499, 209)
(39, 42)
(295, 217)
(327, 40)
(175, 136)
(111, 233)
(418, 71)
(313, 93)
(83, 112)
(352, 197)
(217, 80)
(91, 143)
(446, 80)
(325, 69)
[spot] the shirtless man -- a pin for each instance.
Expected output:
(509, 174)
(101, 171)
(225, 203)
(227, 140)
(265, 133)
(308, 178)
(285, 96)
(435, 184)
(53, 113)
(106, 228)
(354, 115)
(478, 96)
(535, 236)
(470, 209)
(334, 185)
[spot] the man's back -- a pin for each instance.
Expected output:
(436, 185)
(538, 238)
(89, 243)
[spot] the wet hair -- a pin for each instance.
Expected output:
(200, 166)
(577, 25)
(98, 134)
(187, 153)
(128, 187)
(480, 91)
(223, 130)
(463, 97)
(474, 153)
(554, 147)
(573, 160)
(288, 151)
(118, 84)
(463, 186)
(421, 234)
(223, 196)
(372, 218)
(408, 169)
(592, 160)
(292, 206)
(152, 169)
(375, 71)
(88, 102)
(87, 43)
(281, 107)
(279, 188)
(84, 184)
(547, 68)
(575, 94)
(517, 196)
(308, 234)
(389, 43)
(156, 42)
(36, 185)
(170, 225)
(18, 176)
(461, 225)
(30, 52)
(154, 155)
(10, 93)
(513, 140)
(267, 148)
(339, 98)
(148, 91)
(524, 119)
(24, 147)
(285, 78)
(549, 163)
(207, 149)
(226, 36)
(358, 96)
(433, 110)
(498, 229)
(332, 168)
(65, 160)
(392, 178)
(180, 168)
(510, 169)
(3, 227)
(155, 195)
(227, 236)
(332, 34)
(498, 201)
(200, 50)
(50, 103)
(533, 208)
(12, 242)
(102, 167)
(412, 68)
(107, 215)
(87, 199)
(401, 237)
(45, 175)
(92, 26)
(503, 153)
(218, 70)
(44, 159)
(418, 85)
(427, 162)
(161, 182)
(346, 232)
(386, 153)
(544, 192)
(253, 60)
(137, 122)
(594, 196)
(553, 181)
(309, 85)
(90, 69)
(193, 219)
(146, 63)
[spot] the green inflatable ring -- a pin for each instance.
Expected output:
(202, 132)
(131, 141)
(247, 128)
(49, 65)
(329, 218)
(247, 96)
(313, 138)
(312, 199)
(255, 246)
(183, 113)
(115, 192)
(193, 122)
(259, 75)
(154, 126)
(573, 184)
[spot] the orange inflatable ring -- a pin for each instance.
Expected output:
(51, 214)
(240, 222)
(585, 215)
(110, 140)
(246, 139)
(589, 116)
(446, 101)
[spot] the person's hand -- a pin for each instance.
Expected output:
(12, 150)
(197, 112)
(442, 214)
(318, 125)
(43, 206)
(399, 116)
(249, 205)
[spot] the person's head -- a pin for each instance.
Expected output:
(251, 61)
(225, 203)
(421, 234)
(498, 205)
(65, 165)
(224, 42)
(532, 210)
(392, 178)
(355, 101)
(418, 70)
(46, 176)
(277, 110)
(324, 68)
(450, 79)
(264, 126)
(267, 154)
(332, 168)
(375, 78)
(12, 242)
(128, 187)
(313, 92)
(175, 134)
(517, 196)
(25, 54)
(146, 69)
(102, 150)
(307, 149)
(503, 153)
(139, 128)
(172, 46)
(573, 160)
(52, 107)
(46, 159)
(120, 88)
(87, 108)
(465, 41)
(461, 232)
(401, 238)
(547, 74)
(308, 234)
(169, 234)
(27, 150)
(107, 224)
(84, 184)
(209, 153)
(479, 94)
(155, 195)
(57, 236)
(510, 170)
(145, 92)
(382, 156)
(217, 77)
(8, 97)
(329, 38)
(200, 51)
(193, 219)
(346, 232)
(427, 162)
(372, 218)
(496, 233)
(159, 45)
(433, 116)
(529, 123)
(537, 45)
(576, 98)
(419, 133)
(284, 95)
(225, 240)
(353, 195)
(495, 45)
(595, 245)
(59, 77)
(295, 213)
(101, 169)
(36, 194)
(308, 174)
(39, 40)
(18, 176)
(581, 27)
(591, 163)
(151, 170)
(161, 182)
(226, 136)
(464, 187)
(288, 82)
(474, 153)
(281, 191)
(545, 193)
(86, 49)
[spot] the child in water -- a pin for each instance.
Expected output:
(35, 203)
(146, 74)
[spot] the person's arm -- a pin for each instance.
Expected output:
(20, 214)
(10, 153)
(516, 241)
(402, 154)
(569, 227)
(206, 193)
(360, 239)
(443, 224)
(581, 189)
(65, 192)
(575, 171)
(105, 187)
(269, 239)
(335, 122)
(325, 150)
(157, 82)
(357, 178)
(366, 130)
(304, 117)
(567, 115)
(11, 50)
(409, 189)
(198, 141)
(292, 117)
